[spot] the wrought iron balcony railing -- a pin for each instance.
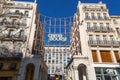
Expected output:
(12, 24)
(13, 38)
(96, 18)
(10, 54)
(99, 29)
(14, 14)
(20, 38)
(19, 6)
(103, 43)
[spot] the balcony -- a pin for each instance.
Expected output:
(99, 29)
(87, 18)
(20, 38)
(14, 14)
(103, 43)
(96, 18)
(94, 8)
(13, 38)
(19, 6)
(5, 52)
(16, 25)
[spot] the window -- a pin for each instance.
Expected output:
(87, 16)
(17, 48)
(118, 31)
(21, 34)
(4, 50)
(107, 24)
(52, 61)
(105, 16)
(56, 61)
(1, 65)
(17, 11)
(117, 56)
(90, 37)
(49, 61)
(105, 39)
(26, 13)
(14, 22)
(98, 39)
(99, 16)
(106, 56)
(101, 26)
(107, 73)
(4, 21)
(93, 16)
(12, 66)
(94, 55)
(115, 21)
(94, 24)
(111, 38)
(10, 33)
(88, 26)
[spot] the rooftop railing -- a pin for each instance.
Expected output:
(19, 6)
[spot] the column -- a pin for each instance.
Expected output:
(113, 56)
(99, 56)
(76, 75)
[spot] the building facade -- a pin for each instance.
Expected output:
(56, 59)
(21, 42)
(95, 44)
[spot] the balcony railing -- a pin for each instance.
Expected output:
(13, 38)
(97, 18)
(14, 14)
(103, 43)
(7, 53)
(19, 6)
(87, 18)
(99, 29)
(12, 24)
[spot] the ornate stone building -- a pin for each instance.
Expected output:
(95, 44)
(21, 42)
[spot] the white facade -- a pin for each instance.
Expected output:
(19, 28)
(57, 59)
(94, 44)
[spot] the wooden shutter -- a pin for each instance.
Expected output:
(106, 56)
(94, 55)
(117, 56)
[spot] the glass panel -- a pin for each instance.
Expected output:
(98, 70)
(99, 77)
(115, 77)
(107, 77)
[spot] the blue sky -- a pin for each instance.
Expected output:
(66, 8)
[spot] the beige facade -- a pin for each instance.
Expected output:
(21, 42)
(95, 44)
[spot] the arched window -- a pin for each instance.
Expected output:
(82, 72)
(30, 72)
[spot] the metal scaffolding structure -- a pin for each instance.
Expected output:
(56, 30)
